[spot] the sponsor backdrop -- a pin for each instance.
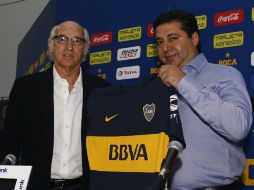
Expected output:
(122, 49)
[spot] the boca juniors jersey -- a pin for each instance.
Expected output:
(129, 131)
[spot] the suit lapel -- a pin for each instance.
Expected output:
(48, 101)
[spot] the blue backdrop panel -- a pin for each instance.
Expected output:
(113, 16)
(120, 32)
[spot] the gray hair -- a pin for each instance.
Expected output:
(51, 56)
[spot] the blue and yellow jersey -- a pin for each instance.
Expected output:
(129, 131)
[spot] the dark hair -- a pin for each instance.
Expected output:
(187, 20)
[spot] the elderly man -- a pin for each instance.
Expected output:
(45, 118)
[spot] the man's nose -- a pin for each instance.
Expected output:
(69, 45)
(166, 46)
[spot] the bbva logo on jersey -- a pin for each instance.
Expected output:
(127, 151)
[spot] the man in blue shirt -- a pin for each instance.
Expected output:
(214, 106)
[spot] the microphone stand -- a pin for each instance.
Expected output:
(165, 185)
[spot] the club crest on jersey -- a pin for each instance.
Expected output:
(149, 111)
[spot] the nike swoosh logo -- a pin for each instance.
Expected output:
(107, 119)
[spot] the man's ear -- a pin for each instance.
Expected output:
(50, 50)
(195, 38)
(85, 51)
(50, 46)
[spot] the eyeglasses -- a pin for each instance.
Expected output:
(62, 39)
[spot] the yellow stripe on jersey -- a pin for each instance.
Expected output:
(138, 153)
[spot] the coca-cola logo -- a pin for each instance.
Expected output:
(233, 16)
(101, 38)
(150, 30)
(228, 17)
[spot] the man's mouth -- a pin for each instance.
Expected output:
(170, 56)
(68, 55)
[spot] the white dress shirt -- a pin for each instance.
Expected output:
(67, 156)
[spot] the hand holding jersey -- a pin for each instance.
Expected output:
(170, 75)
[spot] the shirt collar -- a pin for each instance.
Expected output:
(58, 79)
(197, 63)
(78, 83)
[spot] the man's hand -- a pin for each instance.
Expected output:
(170, 75)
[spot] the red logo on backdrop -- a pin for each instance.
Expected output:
(101, 38)
(228, 17)
(150, 30)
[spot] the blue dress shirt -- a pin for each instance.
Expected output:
(216, 115)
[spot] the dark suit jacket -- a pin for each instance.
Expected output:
(29, 124)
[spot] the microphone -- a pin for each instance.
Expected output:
(174, 148)
(9, 159)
